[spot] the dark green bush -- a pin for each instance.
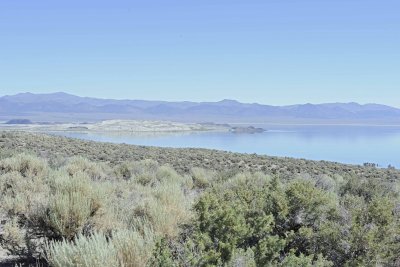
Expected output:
(91, 203)
(288, 224)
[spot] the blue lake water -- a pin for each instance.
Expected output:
(346, 144)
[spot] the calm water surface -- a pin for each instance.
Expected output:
(346, 144)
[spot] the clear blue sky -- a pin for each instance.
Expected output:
(266, 51)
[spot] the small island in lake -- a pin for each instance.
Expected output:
(249, 129)
(19, 121)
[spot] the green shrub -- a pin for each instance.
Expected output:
(242, 258)
(96, 171)
(124, 248)
(201, 177)
(22, 196)
(133, 249)
(25, 164)
(285, 224)
(84, 251)
(293, 260)
(13, 237)
(169, 209)
(73, 202)
(123, 171)
(162, 207)
(211, 208)
(144, 172)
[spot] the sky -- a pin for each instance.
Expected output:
(266, 51)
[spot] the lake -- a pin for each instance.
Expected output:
(346, 144)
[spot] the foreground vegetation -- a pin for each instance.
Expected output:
(67, 202)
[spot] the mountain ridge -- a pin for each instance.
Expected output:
(63, 107)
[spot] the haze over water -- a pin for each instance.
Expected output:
(345, 144)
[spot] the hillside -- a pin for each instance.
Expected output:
(63, 107)
(67, 202)
(182, 159)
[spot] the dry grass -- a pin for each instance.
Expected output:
(94, 204)
(82, 213)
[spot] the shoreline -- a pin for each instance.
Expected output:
(317, 124)
(193, 156)
(116, 126)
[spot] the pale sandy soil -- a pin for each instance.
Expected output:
(118, 126)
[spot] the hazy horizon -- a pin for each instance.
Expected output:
(275, 52)
(200, 101)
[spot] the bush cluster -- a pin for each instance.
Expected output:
(264, 221)
(65, 202)
(87, 214)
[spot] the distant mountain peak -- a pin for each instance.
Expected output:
(23, 94)
(60, 105)
(61, 93)
(229, 101)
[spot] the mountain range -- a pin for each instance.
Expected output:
(62, 107)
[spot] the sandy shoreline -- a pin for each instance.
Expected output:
(127, 126)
